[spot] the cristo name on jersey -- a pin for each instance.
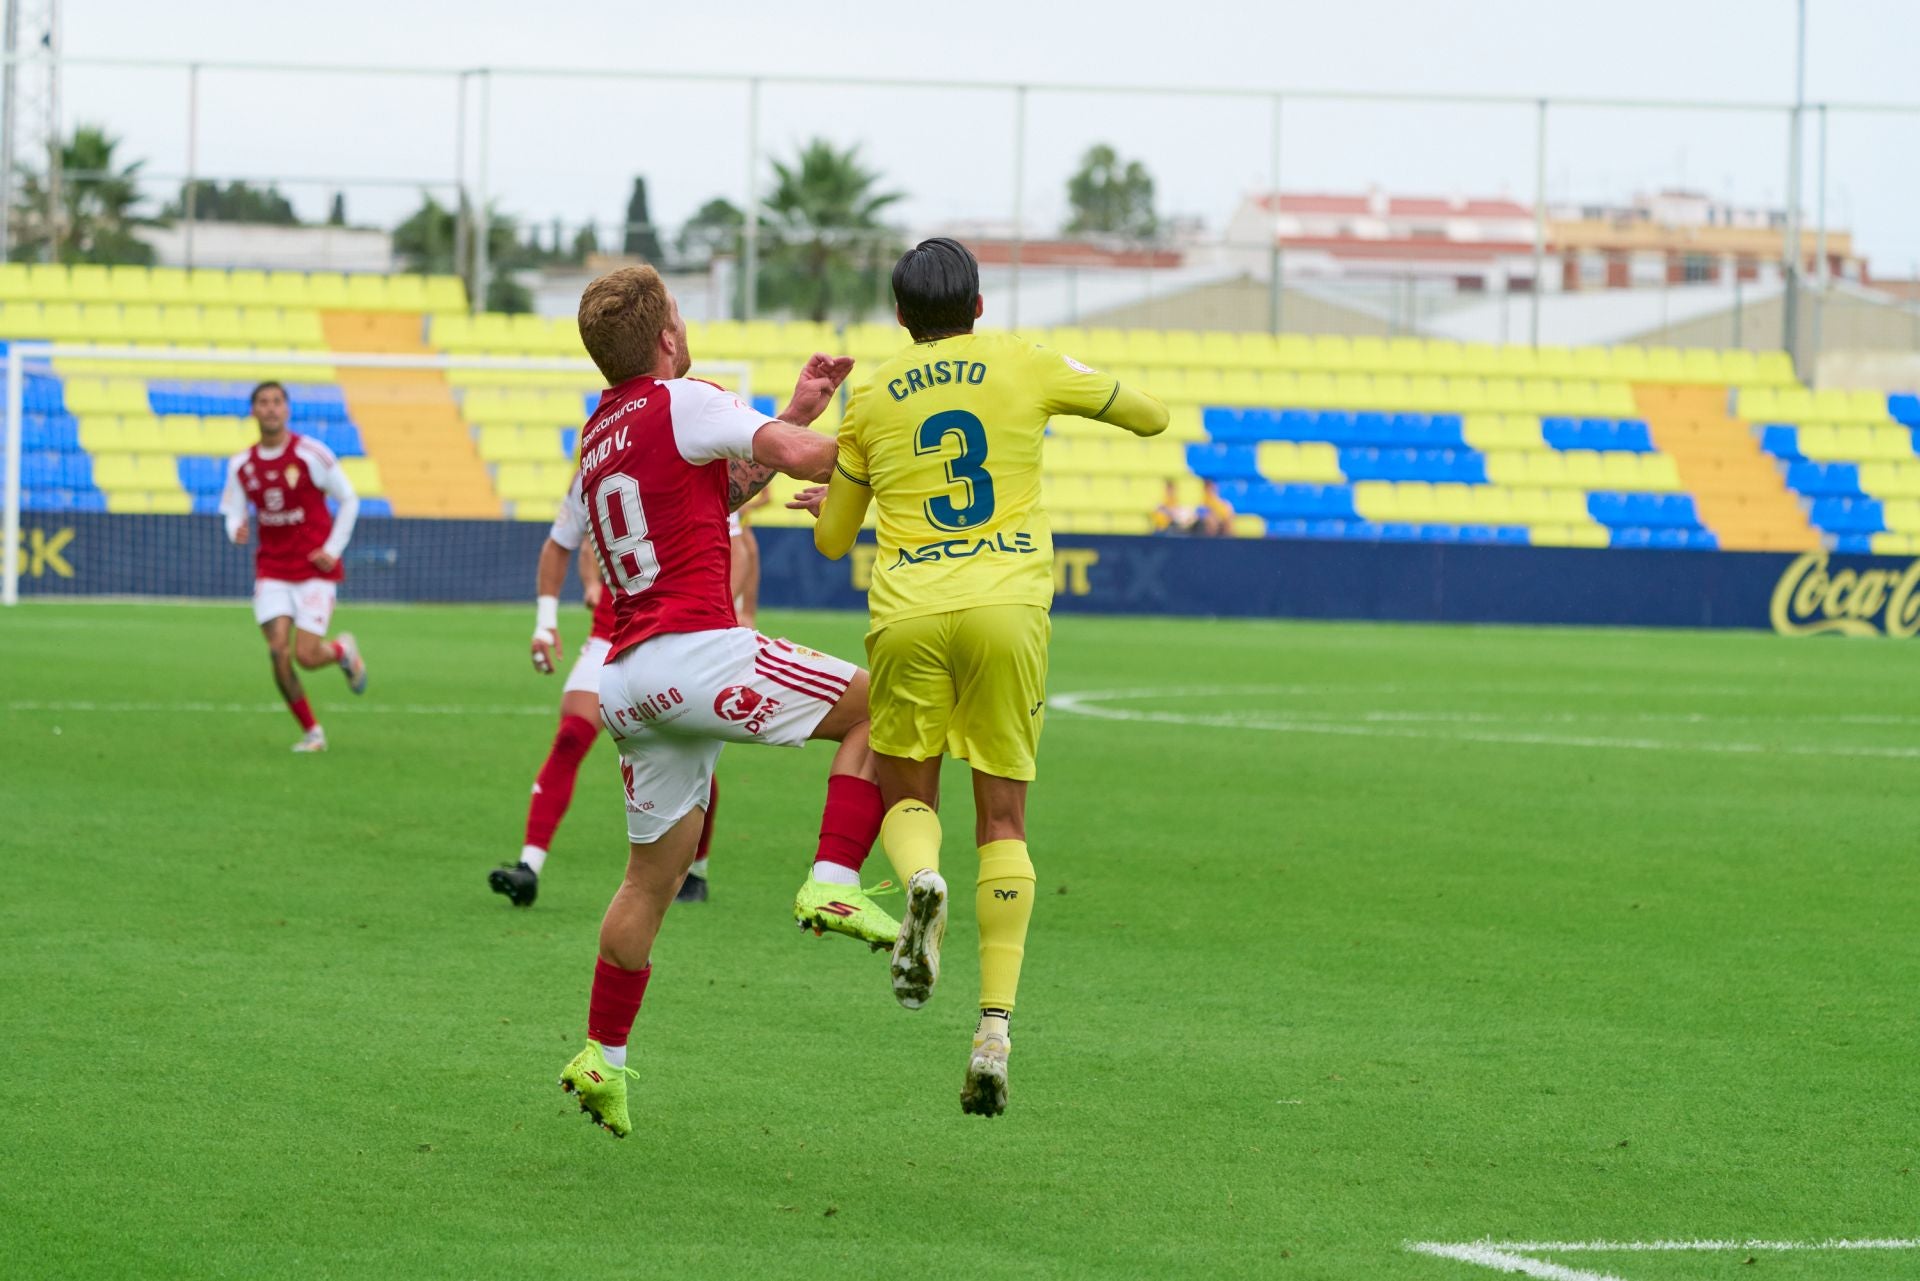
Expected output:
(653, 477)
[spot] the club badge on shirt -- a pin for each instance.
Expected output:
(293, 475)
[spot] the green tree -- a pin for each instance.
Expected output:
(425, 243)
(825, 249)
(586, 241)
(1109, 198)
(337, 214)
(235, 202)
(641, 240)
(713, 229)
(98, 206)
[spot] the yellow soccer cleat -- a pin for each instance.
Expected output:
(984, 1092)
(848, 910)
(601, 1089)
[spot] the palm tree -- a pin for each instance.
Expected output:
(827, 249)
(425, 241)
(97, 209)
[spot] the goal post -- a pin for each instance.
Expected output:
(114, 457)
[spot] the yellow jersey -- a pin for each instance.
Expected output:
(947, 434)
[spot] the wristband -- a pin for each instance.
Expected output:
(546, 614)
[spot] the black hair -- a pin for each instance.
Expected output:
(935, 284)
(270, 384)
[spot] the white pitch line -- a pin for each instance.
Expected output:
(1500, 1260)
(185, 708)
(1086, 703)
(1624, 1247)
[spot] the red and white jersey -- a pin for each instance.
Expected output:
(289, 488)
(570, 530)
(653, 481)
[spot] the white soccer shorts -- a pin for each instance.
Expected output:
(308, 604)
(672, 702)
(584, 676)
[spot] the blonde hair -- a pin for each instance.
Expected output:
(622, 315)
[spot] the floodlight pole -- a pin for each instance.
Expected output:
(483, 227)
(1019, 201)
(1539, 221)
(1276, 286)
(190, 201)
(1790, 247)
(750, 250)
(460, 185)
(10, 523)
(1821, 275)
(9, 126)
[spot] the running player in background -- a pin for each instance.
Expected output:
(663, 459)
(579, 708)
(287, 479)
(946, 439)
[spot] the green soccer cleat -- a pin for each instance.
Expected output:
(848, 910)
(601, 1089)
(984, 1092)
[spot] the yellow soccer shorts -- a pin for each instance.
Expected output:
(971, 683)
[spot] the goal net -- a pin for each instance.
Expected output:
(116, 457)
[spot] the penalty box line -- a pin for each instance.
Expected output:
(1515, 1257)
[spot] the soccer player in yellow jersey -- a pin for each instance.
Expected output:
(945, 440)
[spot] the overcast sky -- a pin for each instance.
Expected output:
(568, 146)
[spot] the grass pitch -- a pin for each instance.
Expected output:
(1350, 937)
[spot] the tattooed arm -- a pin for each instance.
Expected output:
(745, 481)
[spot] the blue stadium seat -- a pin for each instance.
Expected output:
(1223, 462)
(1286, 528)
(569, 441)
(206, 504)
(1618, 511)
(42, 394)
(591, 401)
(1439, 533)
(376, 507)
(1905, 408)
(1399, 532)
(1849, 515)
(1853, 544)
(76, 470)
(40, 471)
(1782, 441)
(1296, 425)
(1301, 502)
(1825, 480)
(1335, 426)
(342, 437)
(202, 475)
(58, 433)
(764, 404)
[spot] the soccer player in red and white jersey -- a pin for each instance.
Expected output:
(579, 708)
(287, 479)
(663, 459)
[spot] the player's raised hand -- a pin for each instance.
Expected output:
(322, 561)
(819, 379)
(808, 500)
(547, 649)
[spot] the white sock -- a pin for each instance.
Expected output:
(534, 857)
(698, 869)
(616, 1055)
(835, 874)
(992, 1024)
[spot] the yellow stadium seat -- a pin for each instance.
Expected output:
(445, 294)
(62, 322)
(49, 282)
(143, 472)
(1895, 545)
(327, 290)
(1479, 360)
(364, 475)
(1556, 363)
(1382, 501)
(210, 288)
(167, 285)
(266, 327)
(143, 323)
(1629, 364)
(1245, 527)
(1284, 461)
(15, 282)
(90, 283)
(101, 434)
(453, 333)
(1702, 365)
(1516, 363)
(224, 327)
(1574, 534)
(303, 328)
(250, 289)
(1659, 474)
(406, 293)
(20, 320)
(1443, 358)
(1333, 353)
(143, 434)
(1664, 365)
(1901, 515)
(1584, 469)
(1406, 356)
(1393, 393)
(1542, 396)
(1775, 368)
(224, 435)
(367, 291)
(287, 289)
(1886, 480)
(171, 502)
(517, 481)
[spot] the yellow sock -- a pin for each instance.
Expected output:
(1003, 901)
(910, 834)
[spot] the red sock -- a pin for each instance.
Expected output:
(303, 713)
(850, 822)
(339, 650)
(615, 1002)
(706, 828)
(553, 789)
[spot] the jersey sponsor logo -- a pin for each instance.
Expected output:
(937, 373)
(654, 708)
(1811, 598)
(966, 548)
(1076, 365)
(746, 706)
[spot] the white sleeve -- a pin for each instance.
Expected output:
(233, 499)
(570, 522)
(328, 475)
(710, 423)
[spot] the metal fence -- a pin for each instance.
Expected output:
(545, 145)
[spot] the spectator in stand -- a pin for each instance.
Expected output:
(1170, 517)
(1214, 517)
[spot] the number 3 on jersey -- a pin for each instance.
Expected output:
(626, 554)
(969, 470)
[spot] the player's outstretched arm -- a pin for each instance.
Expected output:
(839, 510)
(233, 505)
(548, 578)
(1135, 411)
